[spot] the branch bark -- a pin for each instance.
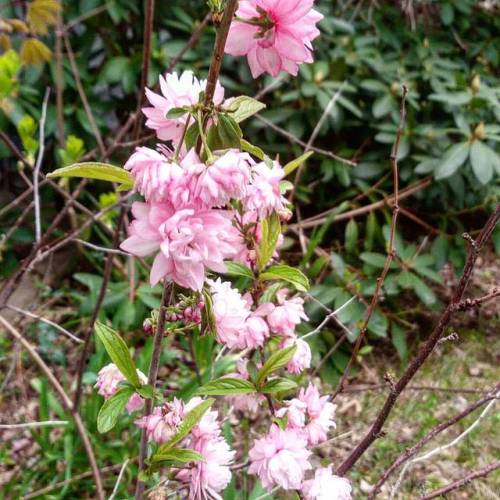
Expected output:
(426, 349)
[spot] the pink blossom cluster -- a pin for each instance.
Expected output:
(281, 458)
(107, 385)
(240, 325)
(275, 35)
(205, 478)
(187, 219)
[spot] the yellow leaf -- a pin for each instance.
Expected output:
(33, 51)
(18, 25)
(42, 14)
(4, 42)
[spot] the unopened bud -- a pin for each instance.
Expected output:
(479, 132)
(475, 84)
(147, 326)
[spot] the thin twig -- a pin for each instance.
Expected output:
(410, 452)
(66, 401)
(101, 249)
(108, 267)
(34, 425)
(152, 377)
(47, 321)
(38, 164)
(484, 471)
(300, 142)
(83, 97)
(441, 448)
(118, 480)
(149, 10)
(391, 251)
(427, 348)
(331, 103)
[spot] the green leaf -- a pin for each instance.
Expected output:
(226, 385)
(192, 134)
(286, 273)
(207, 313)
(277, 360)
(481, 162)
(177, 456)
(237, 269)
(253, 150)
(91, 170)
(118, 352)
(176, 112)
(112, 409)
(279, 385)
(453, 159)
(270, 231)
(225, 134)
(291, 166)
(190, 420)
(146, 391)
(351, 236)
(374, 259)
(382, 106)
(243, 107)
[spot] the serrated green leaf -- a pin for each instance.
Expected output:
(93, 170)
(225, 386)
(190, 420)
(112, 408)
(174, 113)
(289, 274)
(270, 231)
(253, 150)
(277, 360)
(243, 107)
(118, 352)
(177, 455)
(146, 391)
(294, 164)
(238, 269)
(278, 385)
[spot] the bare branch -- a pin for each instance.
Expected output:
(34, 425)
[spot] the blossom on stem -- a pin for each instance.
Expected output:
(326, 486)
(107, 382)
(280, 459)
(162, 423)
(287, 314)
(275, 35)
(177, 91)
(302, 358)
(189, 240)
(264, 194)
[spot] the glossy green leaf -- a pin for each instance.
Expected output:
(453, 160)
(480, 159)
(289, 274)
(270, 231)
(237, 269)
(294, 164)
(277, 360)
(112, 408)
(225, 386)
(243, 107)
(118, 352)
(279, 385)
(94, 170)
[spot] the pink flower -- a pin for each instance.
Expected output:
(225, 179)
(107, 385)
(287, 315)
(158, 178)
(302, 358)
(162, 423)
(176, 92)
(231, 312)
(280, 459)
(279, 36)
(208, 426)
(326, 486)
(311, 413)
(257, 331)
(263, 194)
(209, 477)
(190, 240)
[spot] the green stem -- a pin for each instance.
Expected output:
(210, 156)
(178, 148)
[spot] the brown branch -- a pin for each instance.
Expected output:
(472, 303)
(462, 482)
(391, 251)
(108, 267)
(356, 212)
(410, 452)
(220, 44)
(152, 376)
(83, 97)
(149, 10)
(66, 401)
(426, 349)
(59, 81)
